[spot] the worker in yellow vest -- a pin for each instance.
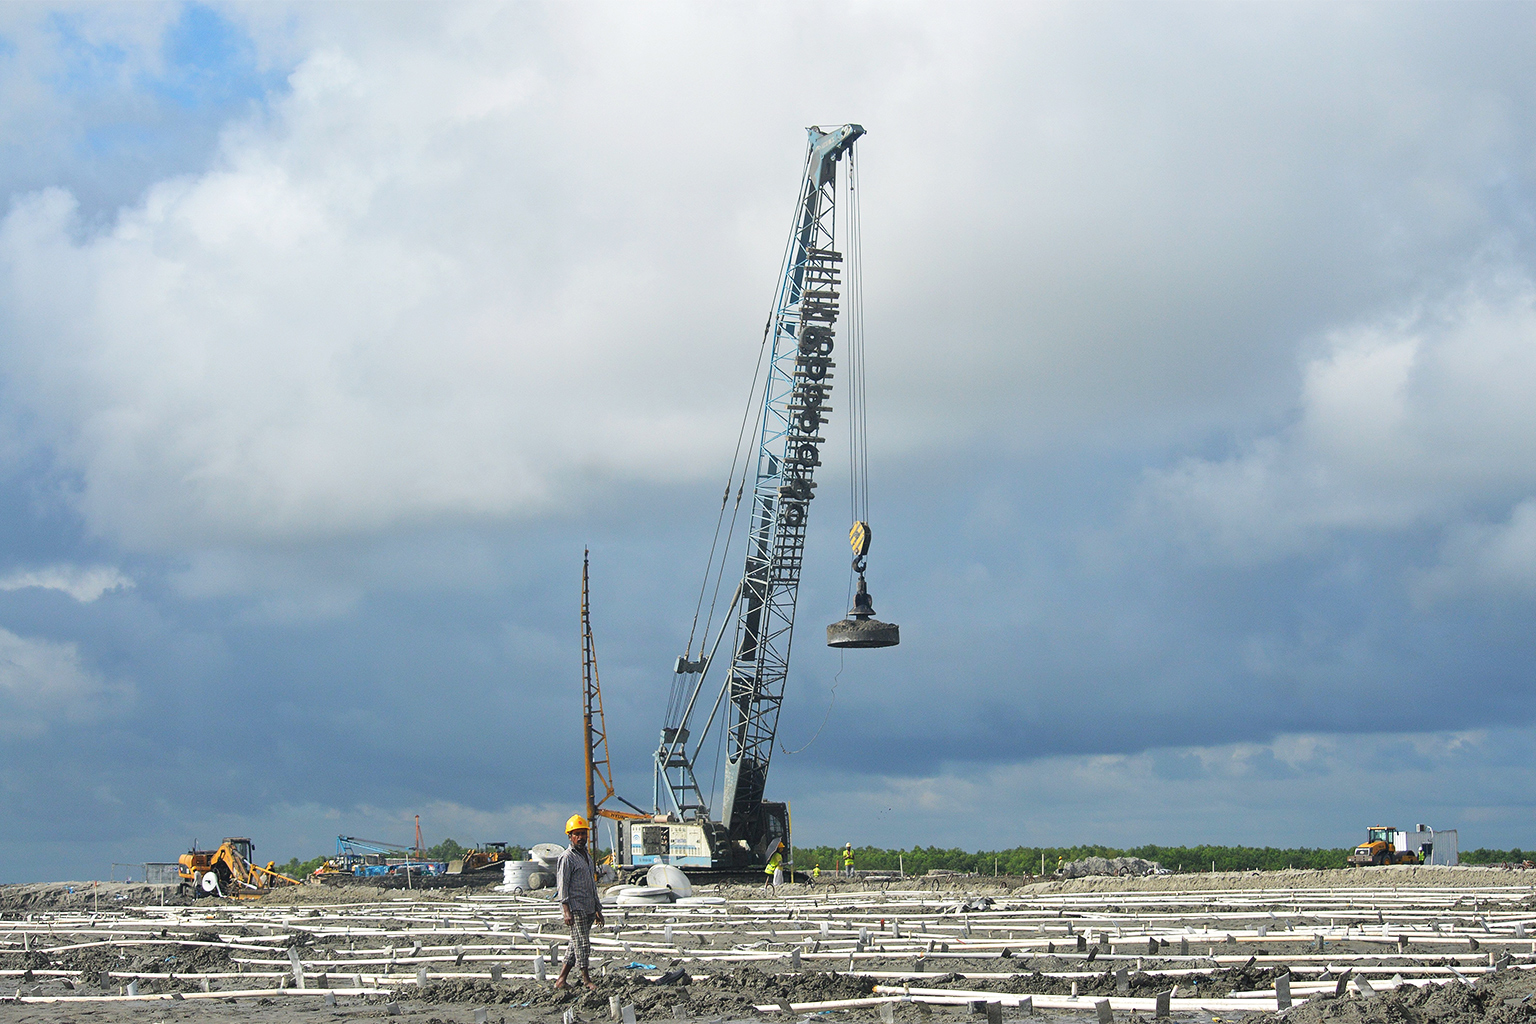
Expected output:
(775, 868)
(816, 874)
(848, 859)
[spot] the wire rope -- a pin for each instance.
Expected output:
(753, 402)
(824, 718)
(857, 233)
(769, 329)
(858, 433)
(858, 420)
(726, 497)
(678, 698)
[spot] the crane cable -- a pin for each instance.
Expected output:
(679, 689)
(858, 421)
(726, 497)
(824, 718)
(760, 404)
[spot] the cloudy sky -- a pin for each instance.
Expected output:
(1202, 342)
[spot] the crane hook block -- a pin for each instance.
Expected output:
(859, 538)
(861, 629)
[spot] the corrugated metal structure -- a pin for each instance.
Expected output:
(1435, 846)
(160, 873)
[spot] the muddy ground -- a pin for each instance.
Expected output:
(1506, 999)
(730, 992)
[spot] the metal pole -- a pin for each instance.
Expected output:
(789, 821)
(586, 700)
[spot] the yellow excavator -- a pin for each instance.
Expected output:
(228, 871)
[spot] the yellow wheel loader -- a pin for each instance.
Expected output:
(1384, 845)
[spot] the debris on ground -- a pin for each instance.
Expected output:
(1379, 946)
(1115, 867)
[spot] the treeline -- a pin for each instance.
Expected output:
(1028, 860)
(296, 868)
(1481, 856)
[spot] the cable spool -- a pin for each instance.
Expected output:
(546, 853)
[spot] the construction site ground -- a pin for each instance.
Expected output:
(1391, 945)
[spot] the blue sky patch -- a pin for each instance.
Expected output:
(210, 62)
(125, 110)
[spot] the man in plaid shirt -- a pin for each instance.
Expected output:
(576, 886)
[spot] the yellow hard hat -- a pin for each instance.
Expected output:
(575, 823)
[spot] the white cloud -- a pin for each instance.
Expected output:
(83, 583)
(362, 320)
(482, 262)
(1418, 421)
(42, 682)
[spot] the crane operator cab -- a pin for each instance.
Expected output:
(861, 628)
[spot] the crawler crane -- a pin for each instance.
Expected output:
(799, 341)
